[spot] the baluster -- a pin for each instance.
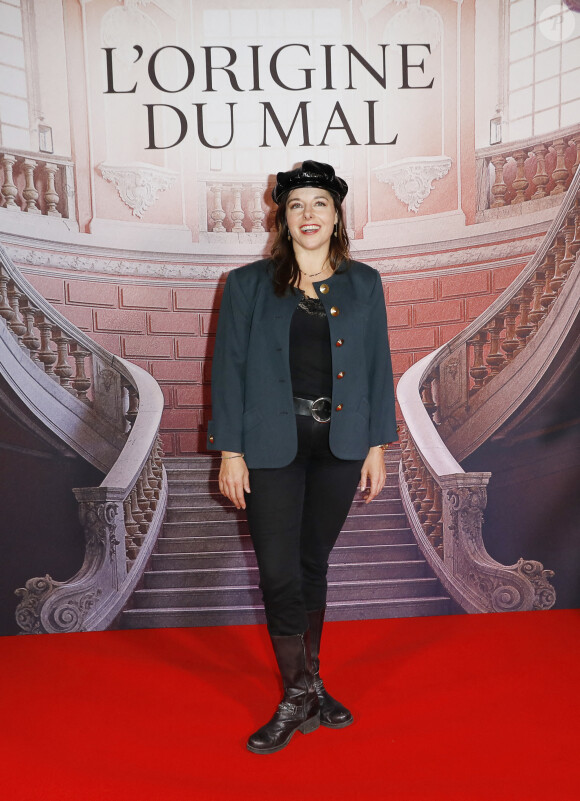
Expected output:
(257, 214)
(131, 533)
(29, 192)
(553, 256)
(133, 410)
(434, 518)
(51, 197)
(237, 214)
(541, 179)
(567, 260)
(130, 522)
(478, 371)
(159, 452)
(157, 470)
(411, 470)
(6, 310)
(136, 512)
(152, 483)
(510, 343)
(536, 313)
(427, 502)
(218, 214)
(62, 367)
(16, 322)
(30, 339)
(494, 358)
(46, 355)
(520, 182)
(560, 172)
(499, 188)
(148, 490)
(427, 398)
(421, 487)
(575, 211)
(417, 481)
(575, 143)
(9, 190)
(81, 382)
(525, 327)
(141, 497)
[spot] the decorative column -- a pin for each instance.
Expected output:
(499, 188)
(560, 172)
(6, 310)
(29, 192)
(237, 214)
(218, 214)
(16, 322)
(46, 354)
(257, 214)
(478, 371)
(520, 182)
(80, 382)
(63, 368)
(541, 178)
(51, 197)
(9, 190)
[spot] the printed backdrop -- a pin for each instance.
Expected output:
(162, 124)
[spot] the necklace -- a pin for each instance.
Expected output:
(313, 275)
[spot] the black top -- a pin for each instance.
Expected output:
(310, 353)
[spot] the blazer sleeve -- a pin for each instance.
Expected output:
(382, 424)
(229, 369)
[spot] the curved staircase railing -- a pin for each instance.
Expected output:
(109, 414)
(454, 399)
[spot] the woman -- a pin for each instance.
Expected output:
(303, 406)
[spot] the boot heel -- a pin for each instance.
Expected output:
(310, 725)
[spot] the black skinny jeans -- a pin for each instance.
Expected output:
(295, 515)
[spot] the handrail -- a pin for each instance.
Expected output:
(440, 398)
(110, 416)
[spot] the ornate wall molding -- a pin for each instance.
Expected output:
(138, 184)
(465, 258)
(412, 178)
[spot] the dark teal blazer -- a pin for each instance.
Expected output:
(252, 402)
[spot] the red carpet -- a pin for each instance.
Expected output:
(467, 708)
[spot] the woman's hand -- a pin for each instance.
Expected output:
(375, 472)
(234, 478)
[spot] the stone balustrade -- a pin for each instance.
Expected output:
(455, 399)
(109, 414)
(445, 506)
(532, 169)
(36, 184)
(518, 318)
(237, 207)
(50, 348)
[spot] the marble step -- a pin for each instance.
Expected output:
(235, 542)
(241, 558)
(248, 574)
(245, 595)
(252, 614)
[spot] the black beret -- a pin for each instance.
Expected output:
(310, 173)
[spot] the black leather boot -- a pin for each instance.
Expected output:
(332, 713)
(299, 709)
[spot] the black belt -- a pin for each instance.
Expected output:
(319, 409)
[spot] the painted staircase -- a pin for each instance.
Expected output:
(203, 571)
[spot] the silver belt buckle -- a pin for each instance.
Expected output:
(321, 409)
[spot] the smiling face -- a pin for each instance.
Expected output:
(311, 216)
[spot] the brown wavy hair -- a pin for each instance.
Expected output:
(286, 271)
